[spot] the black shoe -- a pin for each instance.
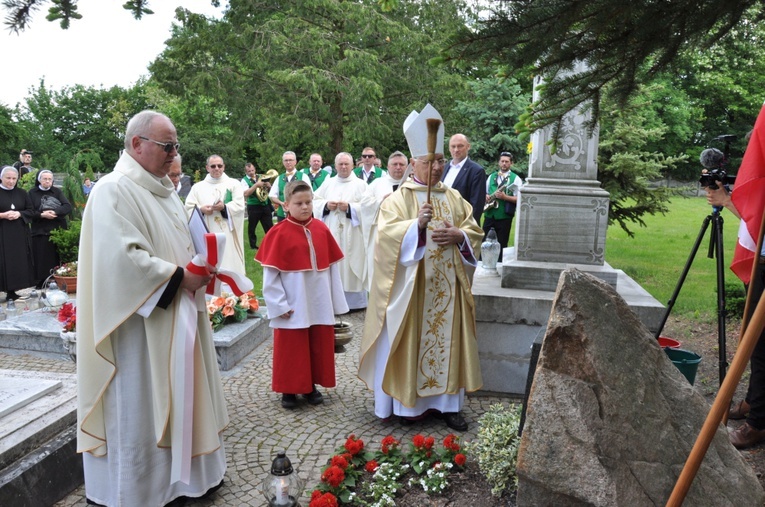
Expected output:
(289, 401)
(314, 397)
(11, 296)
(455, 421)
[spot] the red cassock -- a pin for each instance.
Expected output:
(302, 357)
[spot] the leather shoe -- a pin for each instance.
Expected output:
(455, 421)
(739, 411)
(314, 397)
(746, 436)
(289, 401)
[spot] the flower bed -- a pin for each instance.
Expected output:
(358, 477)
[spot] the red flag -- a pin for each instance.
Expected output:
(749, 199)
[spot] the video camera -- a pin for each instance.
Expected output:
(713, 160)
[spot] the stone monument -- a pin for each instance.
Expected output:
(561, 223)
(562, 211)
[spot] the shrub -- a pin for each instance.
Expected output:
(67, 241)
(496, 447)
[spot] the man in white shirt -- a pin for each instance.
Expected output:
(465, 176)
(368, 170)
(289, 161)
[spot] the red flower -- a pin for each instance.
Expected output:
(334, 476)
(67, 315)
(354, 445)
(429, 442)
(347, 457)
(460, 459)
(322, 500)
(418, 441)
(388, 443)
(450, 443)
(339, 461)
(371, 466)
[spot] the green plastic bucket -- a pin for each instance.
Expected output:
(686, 361)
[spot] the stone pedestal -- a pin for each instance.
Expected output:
(39, 463)
(508, 320)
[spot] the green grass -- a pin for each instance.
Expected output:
(253, 268)
(657, 254)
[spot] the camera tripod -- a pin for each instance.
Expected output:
(716, 252)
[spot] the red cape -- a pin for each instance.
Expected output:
(292, 246)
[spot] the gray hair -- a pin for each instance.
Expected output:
(43, 171)
(289, 153)
(212, 157)
(178, 158)
(396, 154)
(138, 124)
(8, 168)
(344, 154)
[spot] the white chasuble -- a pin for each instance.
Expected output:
(229, 191)
(347, 231)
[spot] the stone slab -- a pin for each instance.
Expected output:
(518, 274)
(44, 476)
(508, 319)
(37, 333)
(235, 341)
(17, 392)
(27, 428)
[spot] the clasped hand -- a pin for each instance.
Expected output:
(209, 209)
(10, 215)
(335, 205)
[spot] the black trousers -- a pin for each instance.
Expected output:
(755, 395)
(258, 214)
(502, 228)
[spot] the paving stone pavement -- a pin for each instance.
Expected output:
(260, 427)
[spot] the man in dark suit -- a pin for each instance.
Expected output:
(465, 176)
(181, 181)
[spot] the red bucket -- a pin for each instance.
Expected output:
(671, 343)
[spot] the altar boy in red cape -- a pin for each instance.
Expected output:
(303, 293)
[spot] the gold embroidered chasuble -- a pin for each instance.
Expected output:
(428, 306)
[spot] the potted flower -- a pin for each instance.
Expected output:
(67, 315)
(67, 243)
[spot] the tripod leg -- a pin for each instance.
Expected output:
(684, 274)
(717, 232)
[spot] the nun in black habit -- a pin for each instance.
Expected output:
(15, 248)
(50, 210)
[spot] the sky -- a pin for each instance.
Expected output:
(106, 47)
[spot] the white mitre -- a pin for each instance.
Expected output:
(416, 131)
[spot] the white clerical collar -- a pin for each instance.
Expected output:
(178, 187)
